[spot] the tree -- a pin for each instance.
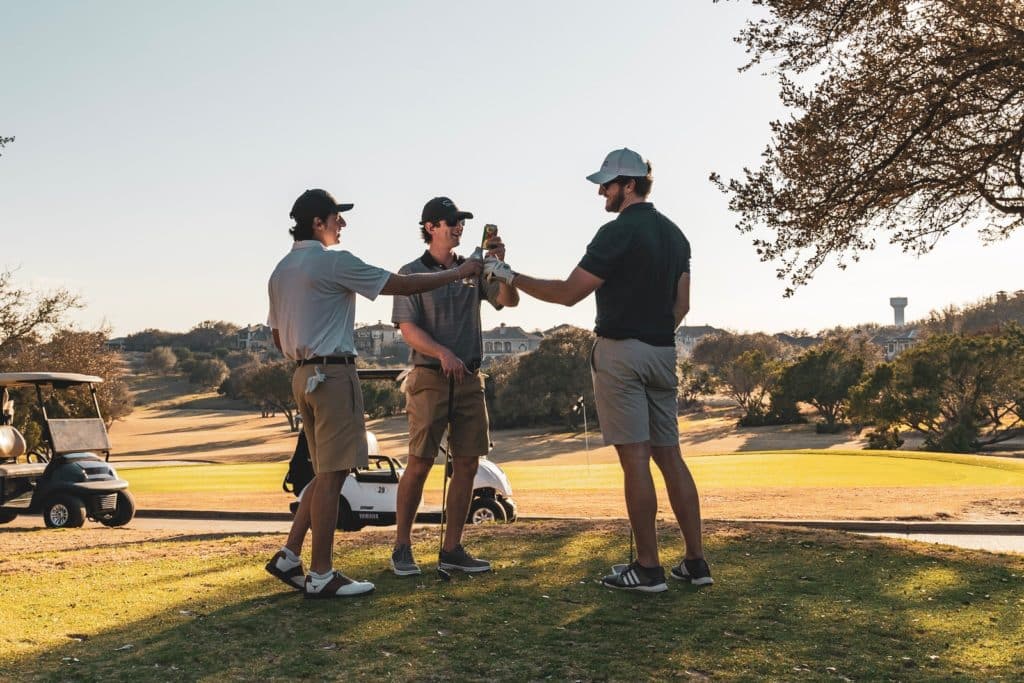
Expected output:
(541, 387)
(271, 384)
(26, 317)
(208, 373)
(907, 123)
(746, 367)
(161, 360)
(823, 376)
(382, 398)
(961, 392)
(70, 351)
(210, 335)
(4, 141)
(694, 382)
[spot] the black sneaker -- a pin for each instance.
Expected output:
(696, 572)
(637, 578)
(402, 563)
(461, 560)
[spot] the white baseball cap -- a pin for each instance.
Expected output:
(620, 162)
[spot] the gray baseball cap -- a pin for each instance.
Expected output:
(620, 162)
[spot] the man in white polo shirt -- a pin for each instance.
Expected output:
(312, 314)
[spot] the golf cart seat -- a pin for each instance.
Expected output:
(12, 443)
(12, 446)
(70, 435)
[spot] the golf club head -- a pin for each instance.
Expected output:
(443, 575)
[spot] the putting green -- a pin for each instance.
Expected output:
(826, 469)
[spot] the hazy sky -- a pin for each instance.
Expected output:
(160, 147)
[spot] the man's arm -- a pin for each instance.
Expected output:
(507, 295)
(568, 292)
(682, 305)
(418, 338)
(424, 282)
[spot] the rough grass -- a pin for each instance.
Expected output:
(117, 604)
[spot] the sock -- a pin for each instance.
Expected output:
(319, 580)
(291, 557)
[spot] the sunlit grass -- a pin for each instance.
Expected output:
(738, 470)
(108, 604)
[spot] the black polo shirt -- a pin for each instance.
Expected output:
(640, 256)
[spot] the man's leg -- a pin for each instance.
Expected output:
(682, 493)
(410, 494)
(641, 500)
(460, 494)
(324, 517)
(301, 523)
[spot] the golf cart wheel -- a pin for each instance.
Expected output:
(485, 510)
(7, 516)
(123, 513)
(64, 511)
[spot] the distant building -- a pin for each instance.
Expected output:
(503, 341)
(687, 337)
(371, 339)
(895, 342)
(254, 338)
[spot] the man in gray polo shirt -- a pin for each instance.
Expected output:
(312, 314)
(443, 329)
(639, 265)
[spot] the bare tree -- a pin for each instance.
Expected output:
(908, 122)
(26, 317)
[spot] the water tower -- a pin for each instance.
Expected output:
(898, 303)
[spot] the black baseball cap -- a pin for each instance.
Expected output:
(315, 204)
(442, 209)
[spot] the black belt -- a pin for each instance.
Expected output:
(472, 367)
(327, 360)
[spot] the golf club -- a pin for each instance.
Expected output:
(441, 573)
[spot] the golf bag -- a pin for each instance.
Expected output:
(300, 468)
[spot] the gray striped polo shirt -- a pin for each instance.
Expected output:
(450, 314)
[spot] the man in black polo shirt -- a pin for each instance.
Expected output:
(639, 265)
(443, 329)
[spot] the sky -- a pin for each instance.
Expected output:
(159, 148)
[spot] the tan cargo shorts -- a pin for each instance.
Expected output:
(635, 388)
(426, 403)
(332, 417)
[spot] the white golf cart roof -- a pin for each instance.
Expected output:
(29, 379)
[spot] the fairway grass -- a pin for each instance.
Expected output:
(735, 470)
(118, 604)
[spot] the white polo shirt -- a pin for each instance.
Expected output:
(313, 299)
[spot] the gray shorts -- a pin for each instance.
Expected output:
(635, 388)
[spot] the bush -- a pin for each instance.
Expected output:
(208, 373)
(884, 440)
(161, 360)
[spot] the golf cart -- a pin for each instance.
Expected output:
(369, 495)
(64, 479)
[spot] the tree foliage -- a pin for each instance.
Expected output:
(745, 367)
(541, 388)
(961, 392)
(161, 360)
(266, 384)
(27, 317)
(69, 351)
(4, 141)
(208, 373)
(907, 122)
(823, 375)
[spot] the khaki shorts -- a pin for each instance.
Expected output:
(635, 388)
(332, 417)
(426, 403)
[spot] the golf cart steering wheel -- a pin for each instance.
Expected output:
(36, 456)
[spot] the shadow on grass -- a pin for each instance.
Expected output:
(787, 605)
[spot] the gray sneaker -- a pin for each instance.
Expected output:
(461, 560)
(402, 563)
